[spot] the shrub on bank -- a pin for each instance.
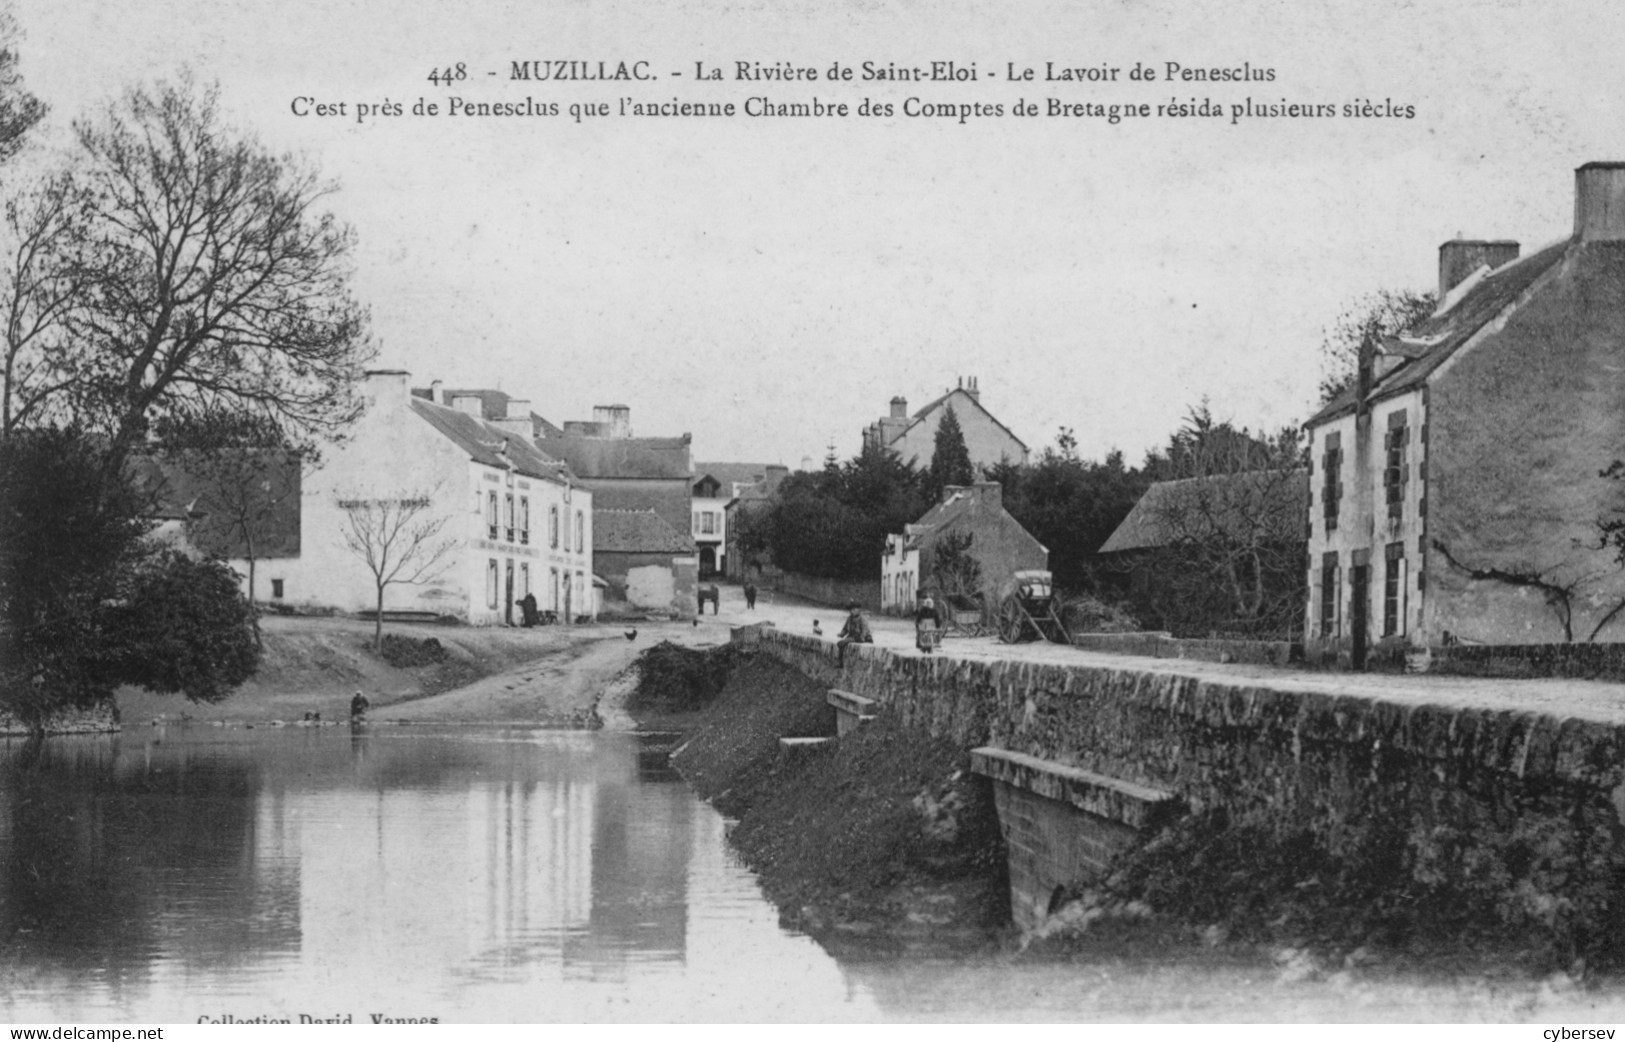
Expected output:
(404, 652)
(675, 679)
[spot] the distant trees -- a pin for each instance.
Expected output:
(399, 541)
(955, 571)
(833, 522)
(1072, 506)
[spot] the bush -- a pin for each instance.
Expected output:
(1085, 614)
(408, 652)
(678, 680)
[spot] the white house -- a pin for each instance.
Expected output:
(511, 519)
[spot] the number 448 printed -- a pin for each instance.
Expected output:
(449, 75)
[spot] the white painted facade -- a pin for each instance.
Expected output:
(510, 529)
(899, 574)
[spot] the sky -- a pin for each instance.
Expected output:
(770, 283)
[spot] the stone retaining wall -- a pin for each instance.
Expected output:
(1584, 661)
(1473, 791)
(1164, 645)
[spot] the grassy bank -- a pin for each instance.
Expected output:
(316, 664)
(874, 842)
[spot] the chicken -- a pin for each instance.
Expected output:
(632, 634)
(817, 630)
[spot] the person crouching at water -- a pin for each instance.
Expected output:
(358, 708)
(856, 631)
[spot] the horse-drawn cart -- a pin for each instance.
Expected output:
(1029, 609)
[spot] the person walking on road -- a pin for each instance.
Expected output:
(750, 596)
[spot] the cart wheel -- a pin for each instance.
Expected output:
(1010, 622)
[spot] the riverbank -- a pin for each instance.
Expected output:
(549, 676)
(874, 843)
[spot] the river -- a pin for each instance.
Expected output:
(178, 874)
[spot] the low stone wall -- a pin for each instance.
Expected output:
(1583, 661)
(68, 721)
(1529, 803)
(1164, 645)
(836, 592)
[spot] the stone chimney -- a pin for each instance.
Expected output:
(1599, 202)
(899, 408)
(971, 389)
(517, 421)
(472, 404)
(437, 392)
(1459, 258)
(388, 389)
(614, 421)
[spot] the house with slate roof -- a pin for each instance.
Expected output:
(629, 473)
(749, 500)
(516, 520)
(913, 437)
(1455, 488)
(998, 543)
(646, 564)
(715, 486)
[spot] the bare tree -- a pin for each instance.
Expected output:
(398, 541)
(1362, 326)
(42, 279)
(1231, 529)
(214, 280)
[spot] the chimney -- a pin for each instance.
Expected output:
(517, 421)
(388, 388)
(1599, 202)
(437, 392)
(1459, 258)
(472, 404)
(899, 408)
(615, 421)
(972, 390)
(990, 494)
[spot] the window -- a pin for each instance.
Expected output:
(276, 589)
(1331, 490)
(553, 527)
(1394, 474)
(491, 576)
(708, 522)
(524, 523)
(524, 579)
(491, 515)
(1331, 577)
(581, 589)
(554, 577)
(581, 532)
(510, 516)
(1393, 592)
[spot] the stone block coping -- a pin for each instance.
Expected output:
(1138, 806)
(847, 702)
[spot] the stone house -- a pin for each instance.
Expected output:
(1457, 487)
(913, 437)
(999, 545)
(646, 564)
(715, 486)
(514, 520)
(625, 473)
(748, 500)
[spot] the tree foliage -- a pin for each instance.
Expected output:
(19, 109)
(1363, 324)
(206, 276)
(87, 602)
(955, 571)
(950, 459)
(1072, 506)
(833, 522)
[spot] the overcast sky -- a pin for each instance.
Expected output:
(770, 283)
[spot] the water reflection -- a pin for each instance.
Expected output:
(469, 874)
